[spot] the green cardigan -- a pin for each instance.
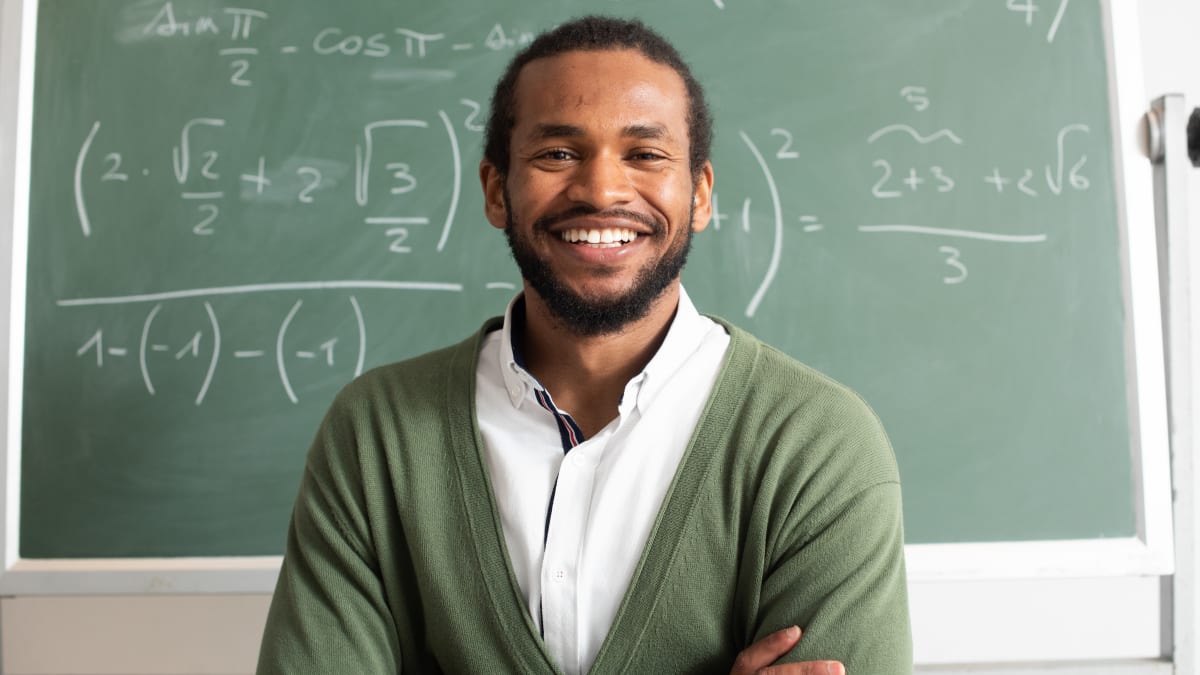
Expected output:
(785, 510)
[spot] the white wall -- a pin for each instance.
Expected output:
(1085, 626)
(1169, 29)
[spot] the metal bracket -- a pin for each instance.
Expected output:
(1193, 136)
(1158, 132)
(1170, 144)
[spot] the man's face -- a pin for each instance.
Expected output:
(599, 203)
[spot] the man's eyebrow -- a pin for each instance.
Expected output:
(646, 131)
(642, 131)
(543, 131)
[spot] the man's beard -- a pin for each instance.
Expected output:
(588, 317)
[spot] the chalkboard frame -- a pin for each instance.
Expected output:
(1150, 552)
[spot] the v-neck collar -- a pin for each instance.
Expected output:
(487, 534)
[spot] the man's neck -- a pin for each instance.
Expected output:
(586, 375)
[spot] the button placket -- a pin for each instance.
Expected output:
(561, 562)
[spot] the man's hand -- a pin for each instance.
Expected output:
(758, 657)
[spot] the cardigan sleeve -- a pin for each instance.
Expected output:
(845, 586)
(329, 613)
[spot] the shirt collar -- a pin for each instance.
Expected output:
(517, 381)
(683, 337)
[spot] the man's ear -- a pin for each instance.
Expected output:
(702, 198)
(494, 206)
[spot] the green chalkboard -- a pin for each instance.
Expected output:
(236, 208)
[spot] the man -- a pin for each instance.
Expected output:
(605, 480)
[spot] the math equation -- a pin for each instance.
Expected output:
(292, 157)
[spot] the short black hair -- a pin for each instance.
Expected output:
(596, 33)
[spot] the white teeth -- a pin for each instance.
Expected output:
(607, 236)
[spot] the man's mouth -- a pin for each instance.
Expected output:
(609, 237)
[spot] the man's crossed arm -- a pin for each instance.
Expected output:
(758, 657)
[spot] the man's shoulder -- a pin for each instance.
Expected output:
(787, 399)
(773, 373)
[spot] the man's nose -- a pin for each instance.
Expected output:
(601, 181)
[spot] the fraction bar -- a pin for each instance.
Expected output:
(383, 220)
(264, 288)
(966, 234)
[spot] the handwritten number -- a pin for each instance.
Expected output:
(239, 66)
(1023, 184)
(878, 190)
(314, 180)
(785, 150)
(210, 158)
(916, 97)
(472, 121)
(97, 341)
(1078, 181)
(953, 261)
(946, 183)
(202, 227)
(113, 172)
(1054, 179)
(405, 181)
(398, 234)
(1028, 7)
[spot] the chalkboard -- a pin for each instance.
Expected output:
(235, 209)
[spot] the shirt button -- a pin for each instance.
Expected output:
(559, 575)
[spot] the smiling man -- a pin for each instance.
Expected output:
(604, 480)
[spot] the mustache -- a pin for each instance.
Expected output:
(544, 223)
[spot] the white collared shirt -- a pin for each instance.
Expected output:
(600, 497)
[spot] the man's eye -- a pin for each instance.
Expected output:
(556, 155)
(647, 155)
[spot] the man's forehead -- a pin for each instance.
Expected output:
(575, 79)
